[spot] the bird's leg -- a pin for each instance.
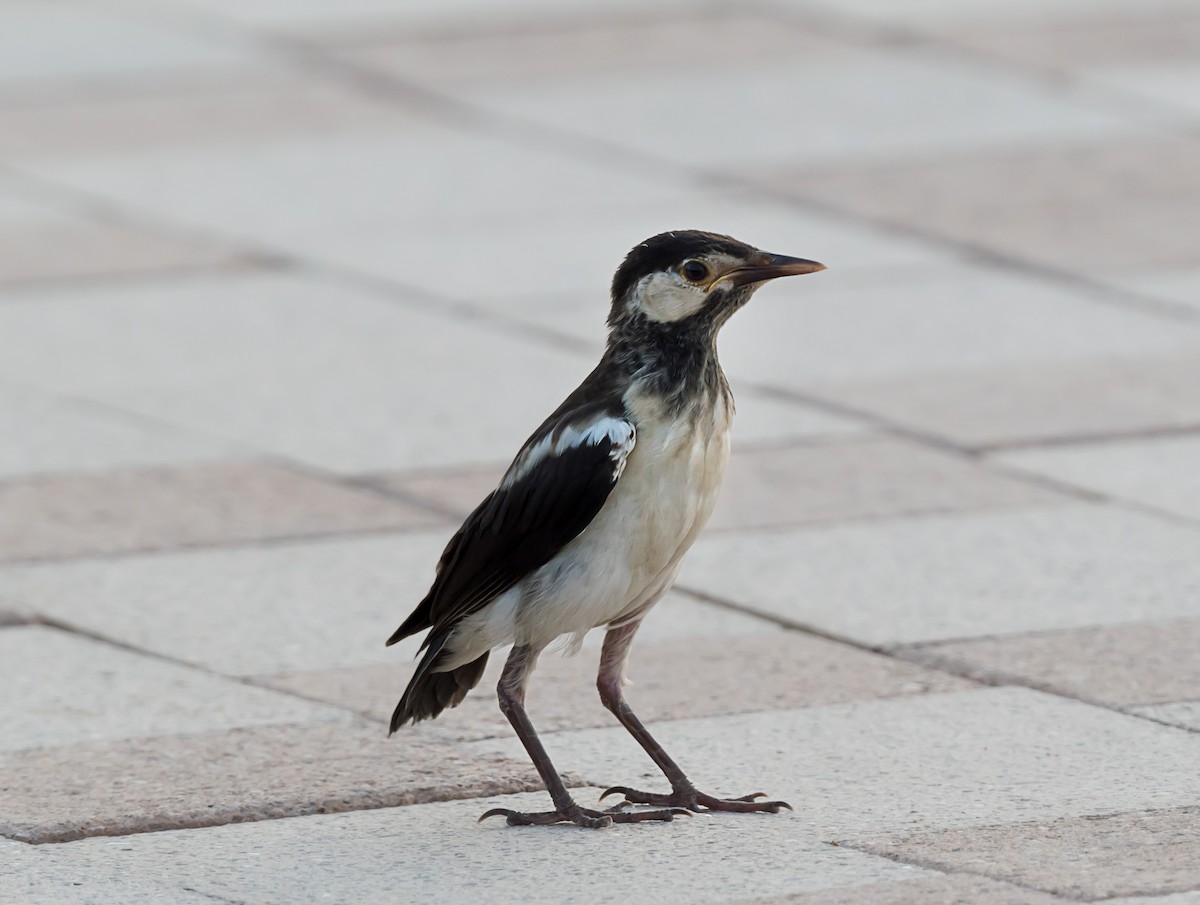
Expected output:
(683, 794)
(511, 692)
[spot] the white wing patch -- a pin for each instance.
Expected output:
(618, 431)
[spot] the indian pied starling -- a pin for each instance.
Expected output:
(591, 520)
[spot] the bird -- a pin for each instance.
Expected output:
(589, 524)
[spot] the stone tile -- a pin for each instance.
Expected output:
(435, 852)
(818, 335)
(321, 20)
(322, 605)
(1091, 857)
(44, 434)
(44, 41)
(63, 690)
(578, 246)
(1179, 286)
(1048, 191)
(948, 577)
(680, 678)
(1114, 37)
(32, 875)
(931, 106)
(1159, 472)
(909, 765)
(261, 110)
(858, 478)
(314, 605)
(1179, 898)
(591, 47)
(943, 14)
(1185, 714)
(1116, 665)
(235, 776)
(300, 192)
(95, 249)
(921, 889)
(321, 374)
(1168, 86)
(1038, 402)
(73, 515)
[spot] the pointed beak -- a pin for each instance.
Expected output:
(769, 267)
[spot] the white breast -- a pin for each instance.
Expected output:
(630, 552)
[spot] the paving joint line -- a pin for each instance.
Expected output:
(896, 652)
(256, 681)
(946, 869)
(272, 542)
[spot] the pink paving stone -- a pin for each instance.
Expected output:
(212, 778)
(1145, 853)
(72, 515)
(672, 680)
(1116, 665)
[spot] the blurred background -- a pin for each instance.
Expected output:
(284, 284)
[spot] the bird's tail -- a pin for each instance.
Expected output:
(429, 692)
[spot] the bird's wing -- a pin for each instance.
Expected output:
(551, 492)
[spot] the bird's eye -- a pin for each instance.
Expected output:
(695, 271)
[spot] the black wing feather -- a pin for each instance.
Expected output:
(522, 524)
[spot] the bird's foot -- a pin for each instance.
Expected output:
(584, 817)
(693, 800)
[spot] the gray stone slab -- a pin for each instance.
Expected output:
(299, 607)
(858, 478)
(47, 434)
(1092, 857)
(83, 250)
(322, 374)
(436, 852)
(265, 108)
(73, 515)
(1110, 37)
(1179, 286)
(299, 192)
(932, 105)
(1157, 472)
(42, 42)
(62, 689)
(212, 778)
(943, 14)
(1179, 898)
(589, 46)
(955, 889)
(949, 577)
(1035, 402)
(684, 676)
(1114, 665)
(1172, 86)
(1049, 190)
(911, 764)
(322, 20)
(580, 245)
(1185, 714)
(951, 326)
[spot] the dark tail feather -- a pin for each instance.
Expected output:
(429, 693)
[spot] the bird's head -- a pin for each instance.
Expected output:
(693, 279)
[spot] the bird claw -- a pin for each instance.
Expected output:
(693, 801)
(584, 817)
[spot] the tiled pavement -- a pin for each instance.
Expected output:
(265, 269)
